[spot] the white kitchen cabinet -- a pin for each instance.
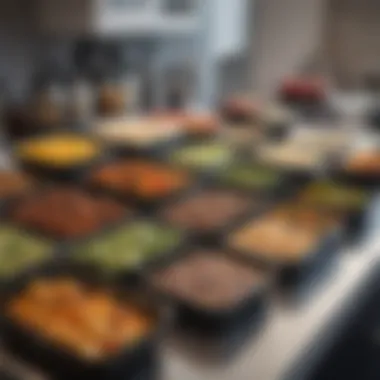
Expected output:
(119, 17)
(230, 31)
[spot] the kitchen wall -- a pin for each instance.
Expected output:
(18, 47)
(287, 36)
(353, 40)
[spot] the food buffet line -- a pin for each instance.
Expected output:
(191, 245)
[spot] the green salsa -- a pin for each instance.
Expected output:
(250, 176)
(18, 251)
(200, 156)
(334, 195)
(129, 246)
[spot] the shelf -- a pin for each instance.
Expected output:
(120, 17)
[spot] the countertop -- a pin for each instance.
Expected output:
(289, 332)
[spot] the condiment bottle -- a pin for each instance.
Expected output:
(48, 102)
(81, 101)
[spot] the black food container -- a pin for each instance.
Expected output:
(284, 187)
(66, 173)
(132, 268)
(257, 204)
(356, 220)
(223, 323)
(61, 242)
(295, 279)
(130, 362)
(146, 205)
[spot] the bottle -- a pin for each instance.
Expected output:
(131, 78)
(47, 104)
(80, 101)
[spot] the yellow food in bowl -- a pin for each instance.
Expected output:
(62, 150)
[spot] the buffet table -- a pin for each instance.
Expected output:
(291, 334)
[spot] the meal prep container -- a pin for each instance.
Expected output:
(11, 198)
(276, 122)
(295, 277)
(278, 188)
(21, 261)
(216, 323)
(146, 205)
(54, 359)
(356, 217)
(101, 252)
(124, 140)
(277, 132)
(66, 242)
(370, 179)
(319, 112)
(72, 172)
(208, 167)
(256, 204)
(156, 150)
(296, 162)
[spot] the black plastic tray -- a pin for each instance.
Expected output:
(259, 205)
(277, 131)
(214, 324)
(69, 174)
(62, 363)
(368, 181)
(7, 201)
(68, 242)
(72, 173)
(311, 109)
(299, 175)
(155, 150)
(71, 254)
(287, 185)
(339, 171)
(293, 279)
(356, 220)
(55, 251)
(203, 172)
(144, 205)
